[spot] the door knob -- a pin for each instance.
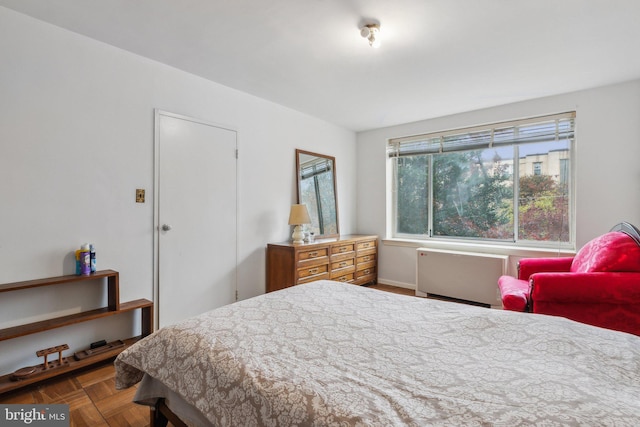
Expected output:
(166, 227)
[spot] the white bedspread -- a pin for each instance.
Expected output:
(327, 353)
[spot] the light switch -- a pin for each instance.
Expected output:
(139, 195)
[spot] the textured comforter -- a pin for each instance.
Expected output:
(327, 353)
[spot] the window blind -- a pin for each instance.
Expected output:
(539, 129)
(315, 167)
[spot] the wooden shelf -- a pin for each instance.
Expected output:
(7, 384)
(112, 276)
(58, 322)
(8, 287)
(113, 308)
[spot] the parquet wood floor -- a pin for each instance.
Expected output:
(92, 397)
(394, 289)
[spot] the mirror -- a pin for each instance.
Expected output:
(317, 189)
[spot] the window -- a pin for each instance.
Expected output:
(503, 182)
(537, 168)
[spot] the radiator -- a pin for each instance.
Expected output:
(462, 275)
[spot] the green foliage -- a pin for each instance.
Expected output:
(473, 197)
(412, 194)
(469, 199)
(543, 209)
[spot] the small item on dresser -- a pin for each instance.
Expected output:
(92, 256)
(85, 260)
(311, 237)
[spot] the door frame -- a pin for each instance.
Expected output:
(158, 113)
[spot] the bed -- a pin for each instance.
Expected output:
(326, 353)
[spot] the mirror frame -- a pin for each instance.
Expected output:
(335, 187)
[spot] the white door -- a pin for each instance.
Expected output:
(195, 217)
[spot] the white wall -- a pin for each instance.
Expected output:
(76, 140)
(607, 162)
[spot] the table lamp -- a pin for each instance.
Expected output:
(298, 216)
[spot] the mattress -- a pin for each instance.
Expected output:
(327, 353)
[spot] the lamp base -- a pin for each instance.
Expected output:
(298, 235)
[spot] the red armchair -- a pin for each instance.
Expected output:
(599, 286)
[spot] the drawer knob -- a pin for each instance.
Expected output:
(313, 254)
(343, 264)
(313, 271)
(367, 258)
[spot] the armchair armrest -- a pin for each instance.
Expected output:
(529, 266)
(586, 288)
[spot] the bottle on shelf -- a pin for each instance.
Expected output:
(92, 257)
(85, 260)
(78, 269)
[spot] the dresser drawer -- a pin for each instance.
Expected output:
(343, 248)
(366, 264)
(368, 273)
(338, 274)
(344, 278)
(341, 264)
(367, 244)
(312, 272)
(313, 254)
(366, 259)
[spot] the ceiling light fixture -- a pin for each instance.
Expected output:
(372, 33)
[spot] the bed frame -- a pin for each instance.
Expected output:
(160, 415)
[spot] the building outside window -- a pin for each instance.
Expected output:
(508, 182)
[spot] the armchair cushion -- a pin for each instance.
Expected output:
(588, 288)
(514, 292)
(613, 251)
(607, 300)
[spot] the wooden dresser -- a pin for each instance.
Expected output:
(350, 259)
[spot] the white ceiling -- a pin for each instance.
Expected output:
(438, 57)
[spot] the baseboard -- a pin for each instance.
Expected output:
(397, 284)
